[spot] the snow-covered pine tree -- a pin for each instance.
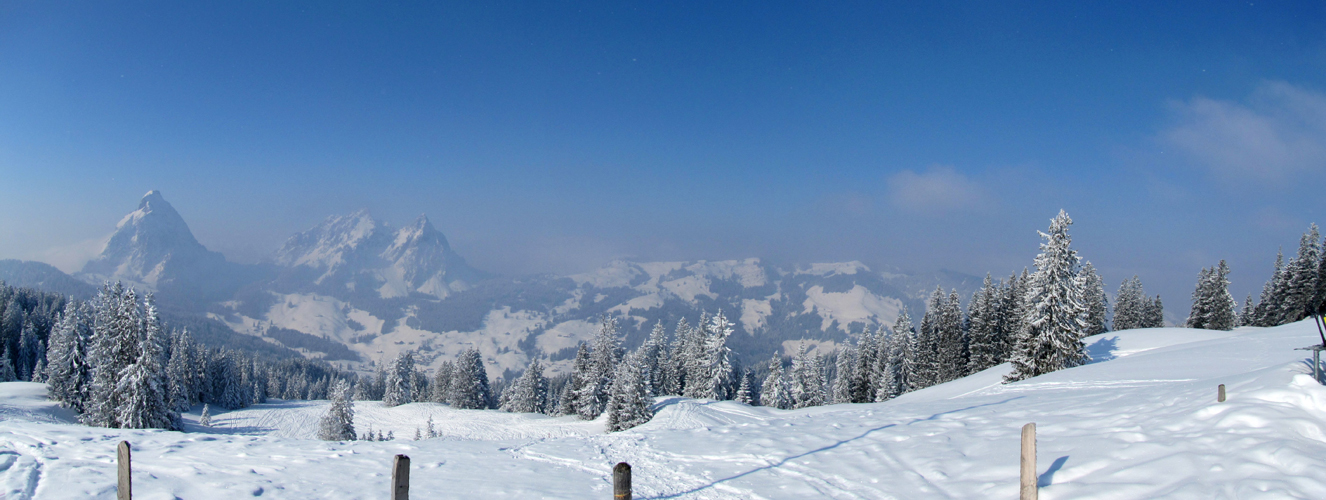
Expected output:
(628, 400)
(807, 380)
(1301, 286)
(116, 347)
(1268, 303)
(6, 367)
(69, 368)
(845, 375)
(776, 391)
(205, 419)
(429, 430)
(904, 359)
(1056, 318)
(1129, 305)
(141, 388)
(338, 424)
(746, 392)
(928, 341)
(694, 359)
(398, 387)
(604, 357)
(718, 383)
(180, 373)
(862, 384)
(981, 327)
(569, 402)
(655, 356)
(529, 393)
(1093, 297)
(1246, 314)
(953, 348)
(469, 383)
(28, 345)
(442, 382)
(1201, 302)
(673, 373)
(1154, 314)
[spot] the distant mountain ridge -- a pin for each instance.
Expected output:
(357, 282)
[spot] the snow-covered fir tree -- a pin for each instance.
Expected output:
(1268, 305)
(569, 399)
(398, 387)
(905, 362)
(776, 391)
(1093, 297)
(6, 367)
(1300, 279)
(953, 345)
(1212, 305)
(1130, 305)
(807, 380)
(1154, 315)
(69, 368)
(844, 375)
(713, 373)
(529, 393)
(925, 367)
(1055, 322)
(604, 356)
(338, 424)
(205, 419)
(469, 382)
(746, 391)
(982, 327)
(654, 353)
(441, 392)
(629, 401)
(141, 388)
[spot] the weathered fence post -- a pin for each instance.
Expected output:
(124, 488)
(1220, 394)
(1029, 491)
(400, 478)
(621, 481)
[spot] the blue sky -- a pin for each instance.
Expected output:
(555, 136)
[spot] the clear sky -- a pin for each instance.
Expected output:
(555, 136)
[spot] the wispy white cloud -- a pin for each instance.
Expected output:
(938, 189)
(1279, 132)
(70, 258)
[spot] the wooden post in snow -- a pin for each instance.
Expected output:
(123, 488)
(1028, 490)
(1220, 394)
(400, 478)
(621, 481)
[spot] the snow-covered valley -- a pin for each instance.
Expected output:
(1140, 421)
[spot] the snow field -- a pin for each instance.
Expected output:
(1139, 422)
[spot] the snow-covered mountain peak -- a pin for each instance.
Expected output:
(147, 243)
(331, 243)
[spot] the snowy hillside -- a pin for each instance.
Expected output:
(1141, 421)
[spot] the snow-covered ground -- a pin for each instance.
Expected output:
(1142, 421)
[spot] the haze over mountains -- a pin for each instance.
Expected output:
(356, 291)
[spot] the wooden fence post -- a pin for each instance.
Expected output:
(1220, 394)
(621, 481)
(123, 488)
(400, 478)
(1029, 491)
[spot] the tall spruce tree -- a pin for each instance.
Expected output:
(597, 380)
(338, 424)
(469, 382)
(1093, 297)
(905, 361)
(1055, 322)
(776, 391)
(807, 380)
(1301, 279)
(953, 351)
(398, 387)
(844, 375)
(628, 400)
(529, 393)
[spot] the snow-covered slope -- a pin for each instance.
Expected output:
(1140, 422)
